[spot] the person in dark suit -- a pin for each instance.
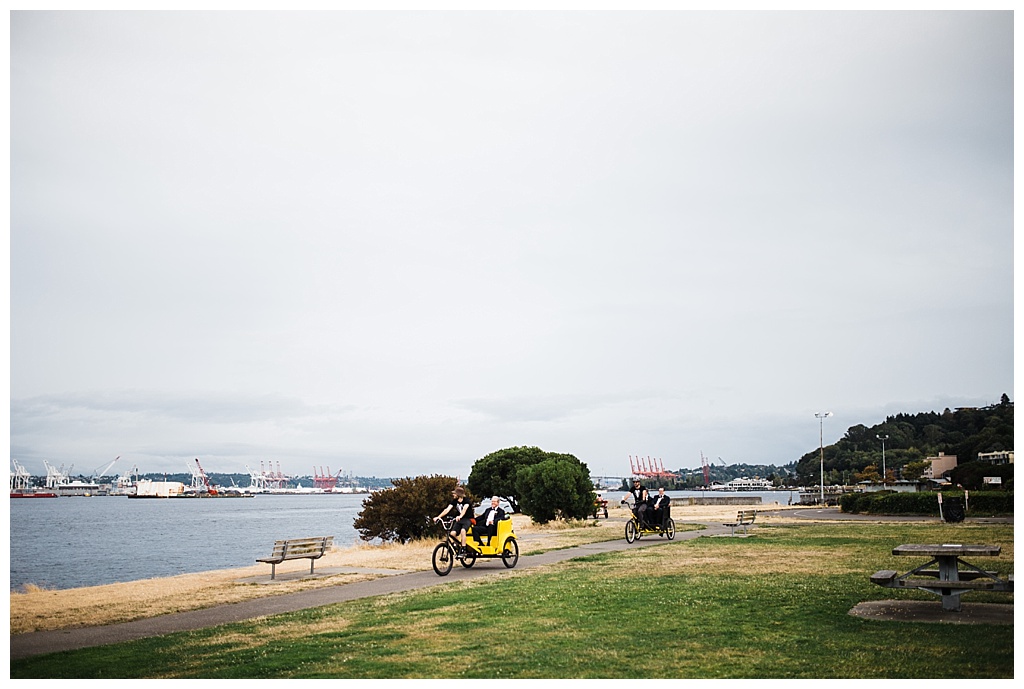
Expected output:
(660, 505)
(487, 521)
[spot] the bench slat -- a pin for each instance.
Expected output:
(974, 585)
(883, 577)
(964, 574)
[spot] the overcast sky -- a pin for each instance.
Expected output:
(393, 243)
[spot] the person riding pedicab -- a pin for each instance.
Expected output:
(487, 521)
(660, 506)
(463, 515)
(639, 494)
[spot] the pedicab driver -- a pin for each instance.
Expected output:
(487, 521)
(639, 494)
(463, 514)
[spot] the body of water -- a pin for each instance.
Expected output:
(70, 542)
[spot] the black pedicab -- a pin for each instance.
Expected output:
(635, 528)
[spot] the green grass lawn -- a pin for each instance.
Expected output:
(774, 605)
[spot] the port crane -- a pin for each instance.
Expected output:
(206, 481)
(57, 476)
(325, 481)
(20, 478)
(98, 473)
(649, 468)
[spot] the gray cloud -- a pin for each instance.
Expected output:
(406, 240)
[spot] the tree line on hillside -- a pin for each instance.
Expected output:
(911, 438)
(694, 479)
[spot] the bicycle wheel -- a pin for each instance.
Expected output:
(510, 552)
(469, 559)
(670, 529)
(443, 558)
(631, 531)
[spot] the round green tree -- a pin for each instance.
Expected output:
(557, 487)
(495, 474)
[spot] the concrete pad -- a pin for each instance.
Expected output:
(323, 573)
(931, 611)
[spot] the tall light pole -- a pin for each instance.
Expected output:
(821, 416)
(883, 438)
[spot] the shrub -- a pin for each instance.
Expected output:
(404, 512)
(556, 487)
(979, 503)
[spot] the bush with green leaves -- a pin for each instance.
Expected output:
(979, 503)
(404, 512)
(557, 487)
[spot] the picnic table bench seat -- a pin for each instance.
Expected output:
(297, 549)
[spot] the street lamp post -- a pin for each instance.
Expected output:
(883, 438)
(821, 416)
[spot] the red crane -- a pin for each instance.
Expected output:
(209, 488)
(649, 468)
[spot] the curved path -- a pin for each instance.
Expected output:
(37, 643)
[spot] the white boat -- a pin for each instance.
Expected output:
(744, 483)
(82, 488)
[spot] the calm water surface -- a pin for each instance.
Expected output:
(75, 541)
(69, 542)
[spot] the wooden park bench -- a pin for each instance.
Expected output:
(297, 549)
(744, 518)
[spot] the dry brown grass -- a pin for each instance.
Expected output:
(38, 609)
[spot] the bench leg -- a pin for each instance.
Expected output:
(311, 561)
(951, 602)
(273, 570)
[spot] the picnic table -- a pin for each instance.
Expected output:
(954, 575)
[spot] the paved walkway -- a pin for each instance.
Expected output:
(37, 643)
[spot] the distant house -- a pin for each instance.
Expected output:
(1002, 457)
(939, 465)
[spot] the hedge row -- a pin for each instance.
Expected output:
(979, 503)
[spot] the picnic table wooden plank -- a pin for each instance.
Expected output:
(947, 550)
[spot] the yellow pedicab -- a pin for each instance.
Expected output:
(503, 546)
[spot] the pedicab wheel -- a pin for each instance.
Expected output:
(631, 532)
(469, 559)
(670, 529)
(510, 552)
(443, 558)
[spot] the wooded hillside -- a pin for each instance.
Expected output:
(912, 437)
